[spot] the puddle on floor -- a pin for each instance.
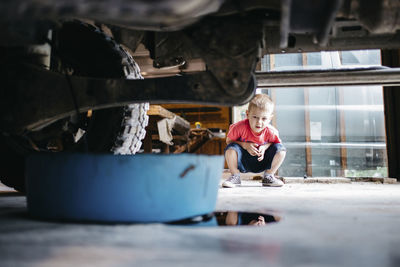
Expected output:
(229, 218)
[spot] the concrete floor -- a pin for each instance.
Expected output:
(354, 224)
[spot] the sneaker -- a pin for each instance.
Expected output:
(270, 180)
(232, 181)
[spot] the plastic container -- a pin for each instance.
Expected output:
(121, 188)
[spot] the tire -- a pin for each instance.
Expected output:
(87, 51)
(107, 59)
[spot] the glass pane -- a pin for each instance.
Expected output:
(361, 57)
(288, 61)
(324, 131)
(365, 132)
(289, 120)
(314, 59)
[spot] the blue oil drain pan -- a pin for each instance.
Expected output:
(121, 188)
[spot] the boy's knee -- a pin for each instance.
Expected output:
(232, 149)
(281, 153)
(230, 152)
(273, 149)
(276, 150)
(279, 147)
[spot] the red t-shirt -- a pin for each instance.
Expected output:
(241, 131)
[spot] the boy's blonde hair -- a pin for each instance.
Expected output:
(262, 101)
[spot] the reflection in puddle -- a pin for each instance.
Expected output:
(244, 218)
(229, 218)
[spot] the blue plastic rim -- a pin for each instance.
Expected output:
(121, 188)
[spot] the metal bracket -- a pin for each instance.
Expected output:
(230, 47)
(313, 17)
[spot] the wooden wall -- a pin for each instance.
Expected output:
(217, 117)
(208, 116)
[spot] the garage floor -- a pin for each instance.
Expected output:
(354, 224)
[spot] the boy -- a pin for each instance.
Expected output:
(254, 145)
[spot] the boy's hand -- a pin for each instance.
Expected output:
(251, 148)
(261, 151)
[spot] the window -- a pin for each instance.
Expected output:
(328, 131)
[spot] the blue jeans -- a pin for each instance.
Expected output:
(249, 163)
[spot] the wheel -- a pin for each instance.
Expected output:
(85, 50)
(88, 51)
